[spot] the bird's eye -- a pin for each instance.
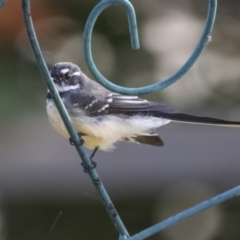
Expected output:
(56, 80)
(67, 76)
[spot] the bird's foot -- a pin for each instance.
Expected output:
(72, 142)
(87, 168)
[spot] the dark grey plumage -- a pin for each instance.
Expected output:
(88, 101)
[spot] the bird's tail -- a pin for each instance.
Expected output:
(185, 118)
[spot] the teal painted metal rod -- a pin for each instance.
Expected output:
(87, 37)
(186, 214)
(66, 119)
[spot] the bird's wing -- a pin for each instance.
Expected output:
(124, 104)
(132, 104)
(115, 103)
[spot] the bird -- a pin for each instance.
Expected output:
(102, 117)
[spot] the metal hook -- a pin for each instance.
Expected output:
(97, 11)
(87, 36)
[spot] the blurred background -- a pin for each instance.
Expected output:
(44, 193)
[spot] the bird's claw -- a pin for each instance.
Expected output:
(87, 168)
(72, 142)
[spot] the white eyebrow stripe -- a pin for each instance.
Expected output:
(65, 70)
(76, 74)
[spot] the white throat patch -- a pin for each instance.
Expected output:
(65, 88)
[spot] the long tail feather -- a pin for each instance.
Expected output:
(185, 118)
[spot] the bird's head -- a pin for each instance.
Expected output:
(66, 76)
